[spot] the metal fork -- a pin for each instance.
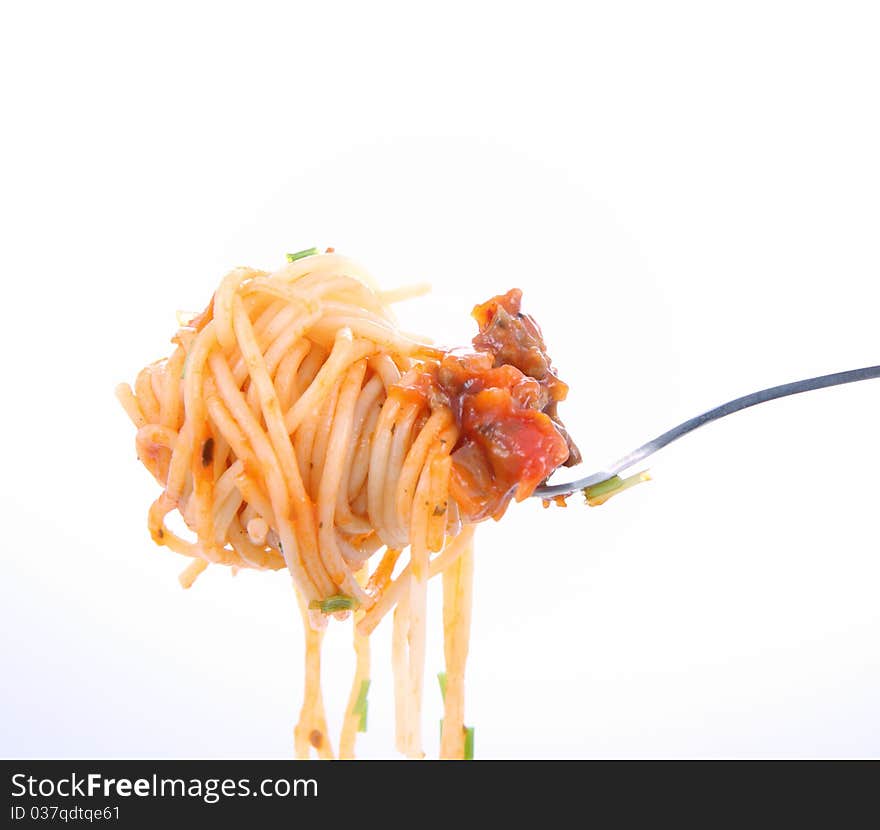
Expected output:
(548, 491)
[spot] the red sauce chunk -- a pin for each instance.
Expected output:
(504, 398)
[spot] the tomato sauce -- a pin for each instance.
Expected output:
(504, 398)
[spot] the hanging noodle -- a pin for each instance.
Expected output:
(296, 426)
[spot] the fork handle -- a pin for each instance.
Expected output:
(762, 396)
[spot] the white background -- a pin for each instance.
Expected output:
(687, 193)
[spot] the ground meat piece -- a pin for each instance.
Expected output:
(504, 398)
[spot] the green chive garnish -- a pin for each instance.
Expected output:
(301, 254)
(441, 679)
(469, 743)
(600, 493)
(338, 602)
(360, 705)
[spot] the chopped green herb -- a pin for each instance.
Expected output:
(468, 740)
(362, 696)
(600, 493)
(301, 254)
(469, 743)
(338, 602)
(441, 679)
(603, 487)
(360, 705)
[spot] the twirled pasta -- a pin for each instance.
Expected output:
(296, 426)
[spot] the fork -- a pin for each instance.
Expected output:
(605, 483)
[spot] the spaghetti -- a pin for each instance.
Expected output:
(295, 426)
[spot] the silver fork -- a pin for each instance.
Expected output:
(549, 491)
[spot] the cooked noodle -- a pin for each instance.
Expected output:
(281, 431)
